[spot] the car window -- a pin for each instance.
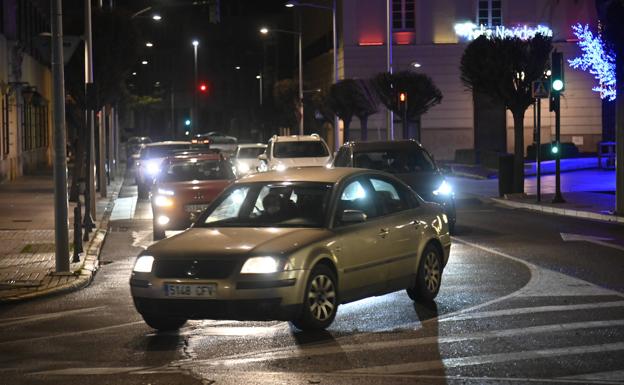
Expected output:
(388, 197)
(162, 151)
(230, 207)
(198, 170)
(343, 158)
(302, 149)
(355, 196)
(249, 152)
(395, 161)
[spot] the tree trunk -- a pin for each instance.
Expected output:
(364, 128)
(345, 134)
(79, 153)
(518, 178)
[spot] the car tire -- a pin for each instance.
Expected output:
(320, 301)
(429, 276)
(158, 232)
(142, 190)
(163, 323)
(451, 226)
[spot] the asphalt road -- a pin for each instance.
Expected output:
(518, 304)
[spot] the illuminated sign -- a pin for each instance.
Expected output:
(471, 31)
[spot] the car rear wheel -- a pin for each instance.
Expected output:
(163, 323)
(429, 276)
(320, 301)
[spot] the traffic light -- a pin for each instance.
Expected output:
(203, 87)
(187, 122)
(557, 83)
(402, 98)
(554, 149)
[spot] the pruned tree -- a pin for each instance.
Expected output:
(341, 102)
(365, 102)
(286, 99)
(505, 69)
(422, 94)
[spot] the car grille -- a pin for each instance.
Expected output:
(197, 269)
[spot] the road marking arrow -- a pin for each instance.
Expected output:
(591, 239)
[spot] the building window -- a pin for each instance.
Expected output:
(489, 13)
(5, 125)
(34, 126)
(403, 15)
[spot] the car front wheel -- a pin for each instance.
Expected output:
(429, 276)
(163, 323)
(320, 301)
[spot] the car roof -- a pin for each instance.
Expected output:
(166, 143)
(252, 145)
(296, 138)
(304, 174)
(384, 145)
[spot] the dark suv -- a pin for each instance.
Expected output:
(407, 160)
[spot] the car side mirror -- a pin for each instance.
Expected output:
(353, 216)
(263, 157)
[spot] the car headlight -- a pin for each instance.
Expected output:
(445, 189)
(261, 265)
(144, 264)
(163, 201)
(243, 167)
(162, 191)
(152, 167)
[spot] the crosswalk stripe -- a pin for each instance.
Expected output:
(44, 317)
(370, 346)
(445, 363)
(531, 310)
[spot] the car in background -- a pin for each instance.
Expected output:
(407, 160)
(294, 245)
(133, 146)
(246, 157)
(294, 151)
(148, 165)
(185, 187)
(219, 140)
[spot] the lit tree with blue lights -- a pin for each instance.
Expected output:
(597, 59)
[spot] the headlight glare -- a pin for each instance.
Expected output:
(444, 189)
(260, 265)
(162, 191)
(243, 167)
(144, 264)
(163, 201)
(152, 167)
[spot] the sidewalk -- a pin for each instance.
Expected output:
(27, 259)
(588, 193)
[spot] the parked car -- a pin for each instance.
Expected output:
(150, 158)
(219, 140)
(185, 187)
(294, 151)
(133, 146)
(294, 245)
(407, 160)
(246, 157)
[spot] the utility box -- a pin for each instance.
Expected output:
(606, 155)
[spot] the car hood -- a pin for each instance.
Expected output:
(227, 242)
(302, 162)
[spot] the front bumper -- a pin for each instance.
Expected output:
(239, 297)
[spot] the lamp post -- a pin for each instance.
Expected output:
(259, 77)
(292, 4)
(195, 114)
(265, 31)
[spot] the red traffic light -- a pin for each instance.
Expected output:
(203, 87)
(402, 97)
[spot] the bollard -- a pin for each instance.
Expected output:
(77, 234)
(87, 224)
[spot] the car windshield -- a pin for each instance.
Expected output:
(303, 149)
(199, 170)
(162, 151)
(250, 152)
(395, 161)
(270, 204)
(142, 140)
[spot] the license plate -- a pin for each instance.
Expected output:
(191, 291)
(195, 208)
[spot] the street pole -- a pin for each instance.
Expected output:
(260, 85)
(90, 177)
(102, 152)
(173, 125)
(538, 145)
(195, 114)
(335, 43)
(111, 143)
(300, 86)
(389, 114)
(558, 198)
(61, 229)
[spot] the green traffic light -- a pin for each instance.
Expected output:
(557, 84)
(554, 150)
(187, 122)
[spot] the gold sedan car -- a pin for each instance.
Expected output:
(293, 245)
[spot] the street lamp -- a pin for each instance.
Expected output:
(149, 44)
(156, 17)
(265, 30)
(195, 114)
(294, 3)
(144, 62)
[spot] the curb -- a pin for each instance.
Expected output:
(561, 211)
(90, 264)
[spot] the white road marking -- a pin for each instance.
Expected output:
(616, 375)
(89, 371)
(44, 317)
(142, 239)
(532, 310)
(294, 353)
(124, 208)
(591, 239)
(71, 334)
(445, 363)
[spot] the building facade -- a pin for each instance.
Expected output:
(25, 90)
(425, 40)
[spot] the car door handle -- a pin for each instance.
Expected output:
(383, 232)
